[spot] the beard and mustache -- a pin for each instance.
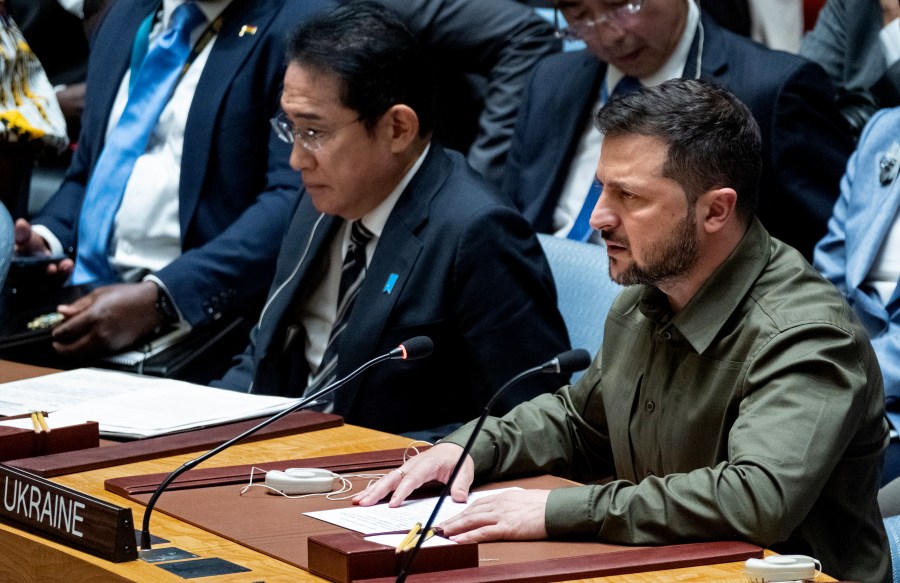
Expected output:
(665, 260)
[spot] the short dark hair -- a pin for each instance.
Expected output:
(713, 140)
(376, 58)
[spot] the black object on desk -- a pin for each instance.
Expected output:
(29, 298)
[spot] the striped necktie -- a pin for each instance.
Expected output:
(353, 273)
(155, 82)
(581, 229)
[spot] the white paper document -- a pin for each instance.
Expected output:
(381, 518)
(128, 405)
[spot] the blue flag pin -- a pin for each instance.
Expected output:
(389, 284)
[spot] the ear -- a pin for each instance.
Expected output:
(716, 209)
(402, 127)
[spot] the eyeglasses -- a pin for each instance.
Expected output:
(309, 138)
(619, 17)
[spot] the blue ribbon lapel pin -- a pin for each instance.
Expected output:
(389, 284)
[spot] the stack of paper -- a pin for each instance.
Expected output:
(128, 405)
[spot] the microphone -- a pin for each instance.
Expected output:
(567, 362)
(412, 349)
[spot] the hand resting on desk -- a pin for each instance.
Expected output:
(511, 515)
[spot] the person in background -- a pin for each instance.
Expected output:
(736, 396)
(58, 32)
(30, 117)
(394, 237)
(58, 38)
(549, 172)
(860, 254)
(857, 42)
(167, 226)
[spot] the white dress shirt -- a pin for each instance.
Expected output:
(890, 42)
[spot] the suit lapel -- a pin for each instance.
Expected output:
(868, 227)
(295, 273)
(386, 277)
(713, 59)
(226, 59)
(571, 106)
(116, 63)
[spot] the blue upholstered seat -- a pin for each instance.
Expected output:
(892, 526)
(581, 273)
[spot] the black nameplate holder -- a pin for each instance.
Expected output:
(67, 516)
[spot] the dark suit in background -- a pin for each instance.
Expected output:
(805, 145)
(483, 54)
(470, 274)
(237, 191)
(733, 15)
(845, 41)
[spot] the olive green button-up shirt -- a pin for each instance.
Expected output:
(755, 413)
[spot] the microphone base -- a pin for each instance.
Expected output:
(348, 556)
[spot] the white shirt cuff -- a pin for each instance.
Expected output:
(43, 232)
(163, 287)
(890, 41)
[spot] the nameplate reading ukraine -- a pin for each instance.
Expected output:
(89, 524)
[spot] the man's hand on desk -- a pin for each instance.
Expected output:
(512, 515)
(435, 464)
(108, 319)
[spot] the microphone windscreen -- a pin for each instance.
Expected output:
(418, 347)
(574, 360)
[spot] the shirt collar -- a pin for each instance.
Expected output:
(375, 219)
(700, 321)
(210, 8)
(674, 67)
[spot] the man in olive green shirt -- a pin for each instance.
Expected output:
(735, 397)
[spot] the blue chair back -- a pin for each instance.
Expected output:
(7, 242)
(892, 526)
(585, 291)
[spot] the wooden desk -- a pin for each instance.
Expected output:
(26, 557)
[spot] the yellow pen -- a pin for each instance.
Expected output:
(415, 540)
(42, 421)
(34, 422)
(410, 536)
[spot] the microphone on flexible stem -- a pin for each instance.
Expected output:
(567, 362)
(412, 349)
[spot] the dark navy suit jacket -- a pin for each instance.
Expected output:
(470, 274)
(237, 189)
(805, 143)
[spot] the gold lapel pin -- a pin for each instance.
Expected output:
(247, 29)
